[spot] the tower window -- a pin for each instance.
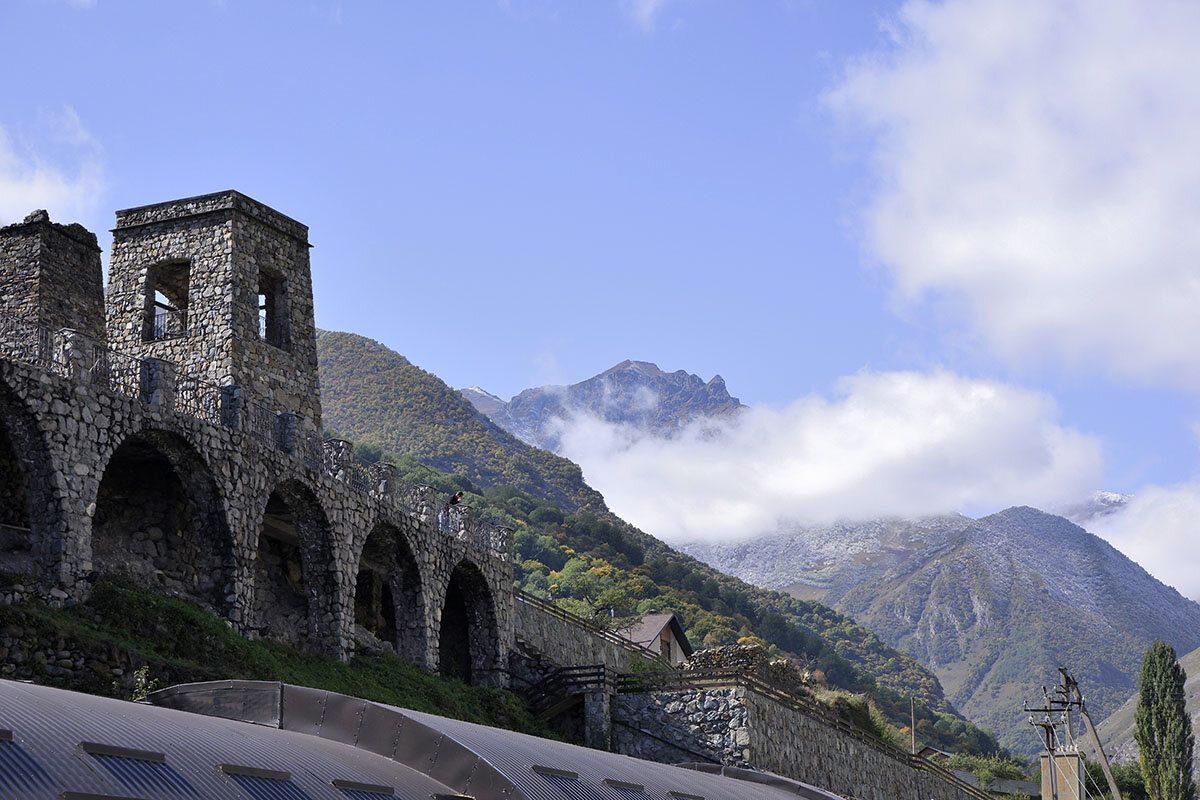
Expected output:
(272, 309)
(166, 309)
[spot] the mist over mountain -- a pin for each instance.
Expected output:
(374, 395)
(633, 393)
(993, 606)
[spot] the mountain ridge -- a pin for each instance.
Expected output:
(636, 393)
(379, 398)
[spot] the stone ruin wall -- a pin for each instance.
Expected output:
(127, 463)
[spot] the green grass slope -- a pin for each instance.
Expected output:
(128, 628)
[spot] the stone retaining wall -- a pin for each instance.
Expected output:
(555, 639)
(737, 726)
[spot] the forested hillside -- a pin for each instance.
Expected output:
(371, 393)
(572, 549)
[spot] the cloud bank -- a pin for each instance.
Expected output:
(896, 443)
(63, 172)
(1036, 170)
(1158, 529)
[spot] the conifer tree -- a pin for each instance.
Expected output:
(1164, 730)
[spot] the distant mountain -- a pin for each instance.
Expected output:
(485, 402)
(1116, 732)
(371, 393)
(635, 393)
(1098, 506)
(993, 606)
(376, 396)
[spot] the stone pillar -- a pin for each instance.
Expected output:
(286, 428)
(76, 355)
(423, 500)
(338, 456)
(158, 383)
(232, 415)
(597, 715)
(502, 542)
(383, 478)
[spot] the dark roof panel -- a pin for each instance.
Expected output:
(44, 758)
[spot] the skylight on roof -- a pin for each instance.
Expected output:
(364, 791)
(18, 771)
(265, 784)
(140, 770)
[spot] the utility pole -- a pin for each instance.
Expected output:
(1057, 713)
(1076, 697)
(912, 727)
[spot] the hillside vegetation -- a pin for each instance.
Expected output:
(591, 562)
(173, 641)
(371, 393)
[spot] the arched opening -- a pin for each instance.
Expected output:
(16, 554)
(388, 610)
(30, 515)
(468, 641)
(292, 570)
(160, 520)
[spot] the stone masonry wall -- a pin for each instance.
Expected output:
(52, 275)
(227, 245)
(737, 726)
(125, 463)
(557, 640)
(708, 725)
(790, 742)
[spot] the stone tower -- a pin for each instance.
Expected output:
(51, 275)
(221, 286)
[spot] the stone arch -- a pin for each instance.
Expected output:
(469, 636)
(160, 520)
(294, 569)
(388, 600)
(31, 516)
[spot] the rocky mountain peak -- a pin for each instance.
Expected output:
(634, 393)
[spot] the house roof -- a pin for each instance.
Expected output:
(647, 630)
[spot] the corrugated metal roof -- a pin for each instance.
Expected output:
(45, 756)
(485, 762)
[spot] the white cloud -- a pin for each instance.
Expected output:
(63, 172)
(1160, 529)
(1036, 165)
(644, 13)
(888, 443)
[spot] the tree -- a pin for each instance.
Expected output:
(1164, 730)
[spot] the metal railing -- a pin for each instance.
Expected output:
(198, 398)
(31, 343)
(312, 451)
(258, 421)
(567, 682)
(359, 477)
(118, 372)
(167, 323)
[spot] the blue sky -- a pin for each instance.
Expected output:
(957, 235)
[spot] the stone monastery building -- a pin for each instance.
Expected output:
(168, 430)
